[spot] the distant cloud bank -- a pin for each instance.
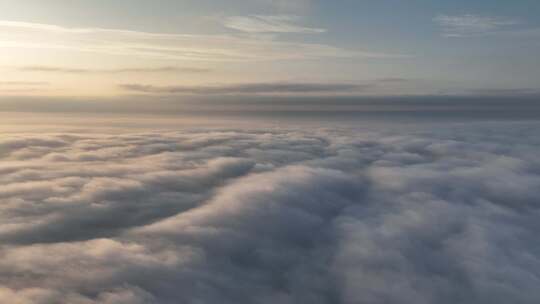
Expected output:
(269, 87)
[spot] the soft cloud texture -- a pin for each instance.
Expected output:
(283, 215)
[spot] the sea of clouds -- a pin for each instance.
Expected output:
(280, 215)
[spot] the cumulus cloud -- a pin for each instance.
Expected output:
(285, 215)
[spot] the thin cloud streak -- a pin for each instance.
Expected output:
(169, 46)
(250, 88)
(506, 92)
(23, 83)
(472, 25)
(22, 87)
(164, 69)
(269, 24)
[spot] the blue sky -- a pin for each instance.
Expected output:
(265, 47)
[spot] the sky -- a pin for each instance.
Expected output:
(269, 151)
(203, 49)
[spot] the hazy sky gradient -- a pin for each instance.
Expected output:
(264, 47)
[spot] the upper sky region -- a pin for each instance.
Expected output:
(188, 50)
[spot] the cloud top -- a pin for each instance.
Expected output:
(283, 215)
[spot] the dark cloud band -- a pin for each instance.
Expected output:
(250, 88)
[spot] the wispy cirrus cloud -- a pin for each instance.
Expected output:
(179, 47)
(69, 70)
(472, 25)
(269, 24)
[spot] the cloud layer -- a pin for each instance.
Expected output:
(290, 215)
